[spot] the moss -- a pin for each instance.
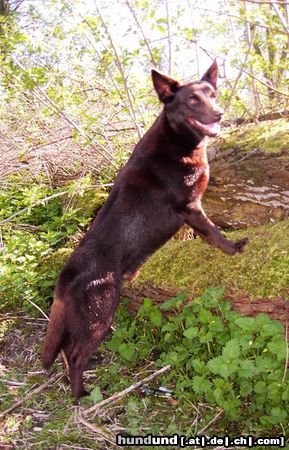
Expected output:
(90, 201)
(55, 261)
(261, 271)
(271, 136)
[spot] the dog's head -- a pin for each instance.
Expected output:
(190, 108)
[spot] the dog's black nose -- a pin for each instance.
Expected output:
(219, 114)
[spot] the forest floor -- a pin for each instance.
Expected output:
(37, 410)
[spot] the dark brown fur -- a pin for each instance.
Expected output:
(156, 192)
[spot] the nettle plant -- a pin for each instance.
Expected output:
(35, 224)
(217, 356)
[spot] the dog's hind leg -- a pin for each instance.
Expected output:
(100, 301)
(79, 353)
(77, 360)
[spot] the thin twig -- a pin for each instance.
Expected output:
(126, 391)
(209, 52)
(38, 202)
(39, 309)
(52, 105)
(248, 155)
(219, 413)
(280, 15)
(169, 35)
(241, 19)
(30, 394)
(142, 32)
(95, 429)
(119, 65)
(241, 68)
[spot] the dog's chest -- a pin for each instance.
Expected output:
(196, 172)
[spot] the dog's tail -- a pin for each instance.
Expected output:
(55, 334)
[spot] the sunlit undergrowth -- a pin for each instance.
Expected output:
(36, 220)
(228, 376)
(217, 356)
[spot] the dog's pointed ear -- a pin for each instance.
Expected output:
(165, 87)
(211, 76)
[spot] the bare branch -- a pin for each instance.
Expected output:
(121, 70)
(241, 68)
(30, 394)
(209, 52)
(275, 30)
(169, 36)
(126, 391)
(142, 32)
(280, 15)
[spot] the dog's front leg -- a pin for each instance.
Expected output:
(198, 220)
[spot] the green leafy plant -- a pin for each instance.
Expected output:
(236, 363)
(36, 222)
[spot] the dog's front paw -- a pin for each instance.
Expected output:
(239, 245)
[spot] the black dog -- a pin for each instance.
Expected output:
(156, 192)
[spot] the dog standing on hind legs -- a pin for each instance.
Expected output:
(155, 193)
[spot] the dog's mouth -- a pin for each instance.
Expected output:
(207, 129)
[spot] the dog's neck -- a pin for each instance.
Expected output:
(198, 155)
(178, 145)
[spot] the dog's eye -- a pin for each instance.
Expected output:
(194, 97)
(213, 95)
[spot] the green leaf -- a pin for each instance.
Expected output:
(169, 326)
(260, 387)
(198, 365)
(156, 317)
(231, 350)
(273, 328)
(279, 414)
(277, 347)
(96, 395)
(246, 323)
(191, 332)
(247, 369)
(174, 302)
(145, 308)
(264, 363)
(221, 367)
(285, 394)
(246, 388)
(201, 385)
(205, 316)
(127, 351)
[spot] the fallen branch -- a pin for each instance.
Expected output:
(219, 413)
(30, 394)
(126, 391)
(95, 429)
(36, 203)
